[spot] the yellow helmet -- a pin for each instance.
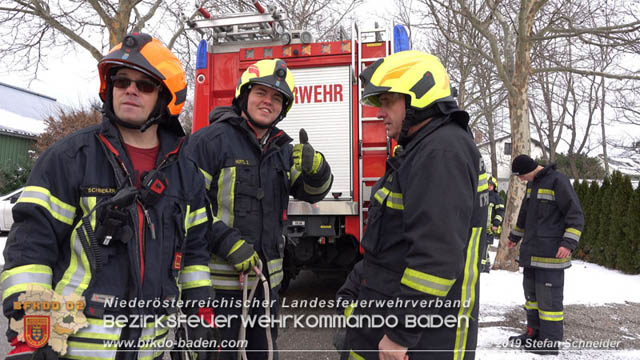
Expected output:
(493, 181)
(272, 73)
(419, 75)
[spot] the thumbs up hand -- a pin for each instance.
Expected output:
(305, 158)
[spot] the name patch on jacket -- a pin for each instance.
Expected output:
(97, 190)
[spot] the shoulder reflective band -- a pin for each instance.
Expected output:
(58, 209)
(528, 193)
(354, 356)
(571, 233)
(546, 194)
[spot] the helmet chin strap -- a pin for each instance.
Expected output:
(413, 117)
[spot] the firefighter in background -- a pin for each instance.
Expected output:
(115, 206)
(251, 169)
(494, 223)
(549, 224)
(426, 218)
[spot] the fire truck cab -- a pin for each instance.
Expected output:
(323, 236)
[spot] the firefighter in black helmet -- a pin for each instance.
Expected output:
(115, 213)
(426, 217)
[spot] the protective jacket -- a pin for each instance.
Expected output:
(417, 250)
(496, 210)
(249, 184)
(67, 237)
(550, 216)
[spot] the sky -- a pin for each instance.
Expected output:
(73, 78)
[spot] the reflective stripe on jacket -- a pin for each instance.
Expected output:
(550, 216)
(249, 189)
(425, 220)
(50, 245)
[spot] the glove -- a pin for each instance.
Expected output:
(489, 230)
(305, 158)
(242, 256)
(23, 351)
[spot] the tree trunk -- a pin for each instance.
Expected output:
(572, 164)
(604, 137)
(520, 140)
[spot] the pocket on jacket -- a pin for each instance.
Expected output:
(371, 239)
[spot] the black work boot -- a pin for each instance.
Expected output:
(522, 339)
(542, 346)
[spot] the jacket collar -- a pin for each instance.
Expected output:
(276, 138)
(169, 141)
(546, 170)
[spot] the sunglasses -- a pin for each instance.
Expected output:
(145, 86)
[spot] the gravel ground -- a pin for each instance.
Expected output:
(615, 322)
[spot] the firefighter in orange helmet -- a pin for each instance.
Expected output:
(115, 213)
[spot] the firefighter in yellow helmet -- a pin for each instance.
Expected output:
(251, 168)
(115, 213)
(426, 217)
(495, 216)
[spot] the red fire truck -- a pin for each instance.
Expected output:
(323, 236)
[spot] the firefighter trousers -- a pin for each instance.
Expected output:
(256, 338)
(485, 260)
(543, 291)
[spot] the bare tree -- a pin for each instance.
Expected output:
(512, 29)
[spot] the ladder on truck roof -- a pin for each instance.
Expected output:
(373, 150)
(267, 25)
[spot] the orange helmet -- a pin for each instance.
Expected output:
(148, 55)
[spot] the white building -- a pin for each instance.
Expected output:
(503, 157)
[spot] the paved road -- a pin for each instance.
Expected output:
(318, 343)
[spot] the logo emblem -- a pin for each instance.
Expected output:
(36, 330)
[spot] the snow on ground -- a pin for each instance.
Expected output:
(585, 283)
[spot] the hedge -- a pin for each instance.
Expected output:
(611, 236)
